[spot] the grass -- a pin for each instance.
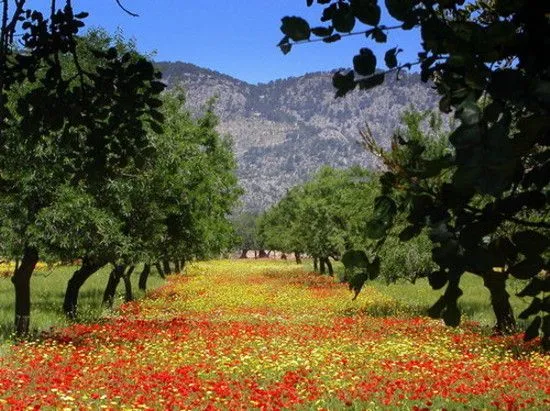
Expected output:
(416, 298)
(48, 288)
(48, 291)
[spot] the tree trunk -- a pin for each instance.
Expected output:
(495, 282)
(297, 257)
(166, 267)
(329, 265)
(182, 264)
(177, 267)
(269, 252)
(283, 256)
(78, 278)
(159, 270)
(244, 254)
(143, 276)
(322, 268)
(21, 280)
(315, 264)
(112, 283)
(128, 295)
(262, 254)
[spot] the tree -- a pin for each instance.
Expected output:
(63, 125)
(486, 62)
(245, 224)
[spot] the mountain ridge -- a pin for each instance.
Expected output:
(286, 129)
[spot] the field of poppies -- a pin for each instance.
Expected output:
(267, 335)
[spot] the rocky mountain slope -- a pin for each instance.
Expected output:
(286, 129)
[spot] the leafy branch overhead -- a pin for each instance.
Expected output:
(486, 200)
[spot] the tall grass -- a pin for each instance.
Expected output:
(475, 303)
(48, 291)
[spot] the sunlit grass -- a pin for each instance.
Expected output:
(47, 293)
(416, 298)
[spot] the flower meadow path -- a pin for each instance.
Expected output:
(262, 335)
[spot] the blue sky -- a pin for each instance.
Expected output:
(235, 37)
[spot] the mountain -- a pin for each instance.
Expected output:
(285, 130)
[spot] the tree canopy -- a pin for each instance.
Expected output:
(486, 61)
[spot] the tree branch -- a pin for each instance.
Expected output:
(355, 33)
(125, 9)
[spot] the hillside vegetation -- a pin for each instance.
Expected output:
(285, 130)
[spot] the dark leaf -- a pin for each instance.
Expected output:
(296, 28)
(331, 39)
(372, 81)
(365, 62)
(322, 31)
(379, 36)
(465, 136)
(391, 57)
(400, 9)
(410, 232)
(355, 259)
(286, 48)
(156, 127)
(468, 113)
(343, 82)
(376, 229)
(343, 19)
(384, 208)
(366, 11)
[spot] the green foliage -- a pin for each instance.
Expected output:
(486, 62)
(327, 217)
(107, 183)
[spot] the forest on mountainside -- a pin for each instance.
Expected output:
(286, 130)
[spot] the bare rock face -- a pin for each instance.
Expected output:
(283, 131)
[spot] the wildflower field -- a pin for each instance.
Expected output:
(267, 335)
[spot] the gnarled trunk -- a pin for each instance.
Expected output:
(329, 266)
(244, 254)
(297, 257)
(322, 266)
(315, 264)
(143, 276)
(262, 254)
(78, 278)
(21, 280)
(110, 290)
(166, 267)
(128, 295)
(160, 270)
(283, 256)
(495, 282)
(177, 268)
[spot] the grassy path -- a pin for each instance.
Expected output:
(249, 335)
